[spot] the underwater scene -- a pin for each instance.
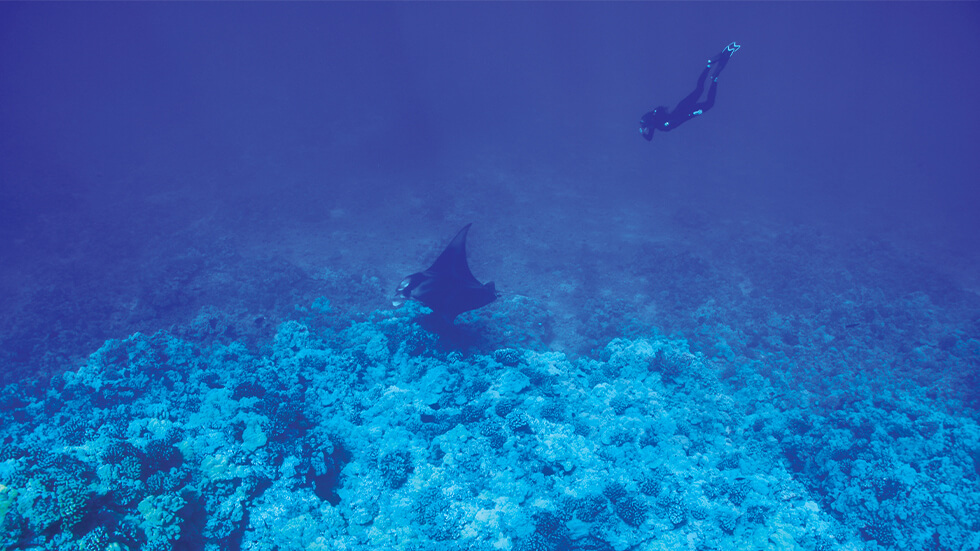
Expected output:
(480, 276)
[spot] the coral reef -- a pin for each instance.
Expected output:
(365, 436)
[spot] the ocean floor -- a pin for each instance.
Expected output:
(676, 380)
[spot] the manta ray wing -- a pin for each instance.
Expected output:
(452, 263)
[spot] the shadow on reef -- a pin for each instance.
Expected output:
(515, 321)
(451, 337)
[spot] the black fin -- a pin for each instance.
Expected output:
(452, 262)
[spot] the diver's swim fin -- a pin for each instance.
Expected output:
(719, 61)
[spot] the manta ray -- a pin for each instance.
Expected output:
(447, 287)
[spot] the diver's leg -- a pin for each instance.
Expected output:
(687, 104)
(701, 79)
(700, 108)
(718, 63)
(712, 92)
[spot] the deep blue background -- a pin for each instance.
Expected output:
(213, 169)
(124, 125)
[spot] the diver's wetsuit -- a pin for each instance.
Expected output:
(664, 120)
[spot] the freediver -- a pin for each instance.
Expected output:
(664, 120)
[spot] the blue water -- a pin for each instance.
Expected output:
(759, 331)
